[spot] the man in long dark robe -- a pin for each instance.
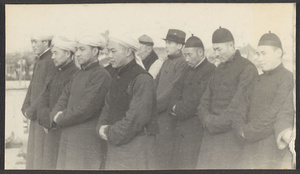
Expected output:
(62, 52)
(43, 71)
(128, 121)
(78, 108)
(185, 97)
(224, 104)
(270, 120)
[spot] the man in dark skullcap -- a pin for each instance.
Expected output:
(224, 104)
(270, 120)
(168, 75)
(185, 98)
(146, 52)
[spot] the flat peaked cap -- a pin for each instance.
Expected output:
(126, 40)
(146, 40)
(64, 43)
(270, 39)
(222, 35)
(194, 42)
(92, 38)
(175, 35)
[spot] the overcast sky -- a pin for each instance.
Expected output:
(247, 22)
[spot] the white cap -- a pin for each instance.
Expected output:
(92, 38)
(64, 43)
(126, 40)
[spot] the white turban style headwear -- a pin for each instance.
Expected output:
(95, 39)
(64, 43)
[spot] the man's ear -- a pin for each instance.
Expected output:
(128, 52)
(68, 53)
(200, 51)
(95, 51)
(278, 52)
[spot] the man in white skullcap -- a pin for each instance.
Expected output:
(78, 108)
(43, 71)
(128, 121)
(62, 53)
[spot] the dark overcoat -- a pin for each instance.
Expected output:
(186, 96)
(43, 71)
(222, 110)
(81, 103)
(270, 114)
(169, 74)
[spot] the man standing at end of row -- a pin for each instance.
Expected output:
(268, 131)
(185, 98)
(42, 73)
(224, 104)
(78, 108)
(168, 75)
(128, 121)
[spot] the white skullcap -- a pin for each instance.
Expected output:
(92, 38)
(41, 36)
(64, 43)
(126, 40)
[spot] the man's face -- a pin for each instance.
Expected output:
(223, 51)
(85, 54)
(59, 56)
(172, 48)
(117, 54)
(268, 57)
(39, 46)
(192, 56)
(143, 51)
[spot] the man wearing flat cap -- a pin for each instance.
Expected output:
(270, 120)
(168, 75)
(62, 54)
(43, 71)
(146, 52)
(185, 97)
(224, 104)
(128, 121)
(77, 109)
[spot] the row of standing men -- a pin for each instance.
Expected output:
(135, 111)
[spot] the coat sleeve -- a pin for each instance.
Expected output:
(26, 102)
(258, 128)
(163, 99)
(43, 111)
(205, 102)
(104, 116)
(187, 108)
(234, 116)
(139, 113)
(86, 106)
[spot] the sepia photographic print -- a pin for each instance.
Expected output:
(150, 86)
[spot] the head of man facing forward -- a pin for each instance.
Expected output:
(223, 45)
(174, 42)
(193, 51)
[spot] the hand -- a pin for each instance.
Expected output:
(46, 130)
(287, 136)
(102, 131)
(57, 114)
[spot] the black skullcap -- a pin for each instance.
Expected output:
(222, 35)
(270, 39)
(193, 42)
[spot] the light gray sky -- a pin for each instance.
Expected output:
(247, 22)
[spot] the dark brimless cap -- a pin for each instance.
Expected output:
(270, 39)
(175, 35)
(222, 35)
(194, 42)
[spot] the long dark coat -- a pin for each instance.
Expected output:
(45, 104)
(186, 96)
(169, 74)
(271, 112)
(43, 71)
(81, 103)
(223, 108)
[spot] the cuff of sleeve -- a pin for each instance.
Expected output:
(60, 120)
(280, 142)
